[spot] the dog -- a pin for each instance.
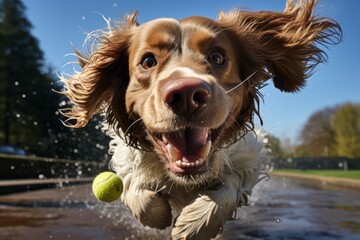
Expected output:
(180, 98)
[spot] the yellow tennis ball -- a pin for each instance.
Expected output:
(107, 187)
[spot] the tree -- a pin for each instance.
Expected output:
(274, 144)
(347, 130)
(317, 137)
(28, 105)
(21, 62)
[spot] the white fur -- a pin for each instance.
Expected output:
(202, 210)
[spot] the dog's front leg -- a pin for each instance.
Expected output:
(206, 215)
(148, 207)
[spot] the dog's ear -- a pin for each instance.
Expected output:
(285, 44)
(103, 79)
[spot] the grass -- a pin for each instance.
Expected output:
(352, 174)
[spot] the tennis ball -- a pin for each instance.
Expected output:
(107, 187)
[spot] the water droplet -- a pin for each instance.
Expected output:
(115, 4)
(62, 103)
(23, 95)
(12, 167)
(278, 219)
(16, 83)
(83, 17)
(41, 176)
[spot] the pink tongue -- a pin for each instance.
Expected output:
(188, 141)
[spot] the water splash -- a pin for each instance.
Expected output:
(119, 215)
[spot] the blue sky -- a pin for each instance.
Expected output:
(61, 24)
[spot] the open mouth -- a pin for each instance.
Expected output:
(187, 150)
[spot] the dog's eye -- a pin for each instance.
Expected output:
(148, 61)
(217, 58)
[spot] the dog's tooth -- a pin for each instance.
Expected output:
(204, 151)
(207, 134)
(183, 164)
(164, 139)
(174, 154)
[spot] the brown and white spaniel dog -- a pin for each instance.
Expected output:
(180, 98)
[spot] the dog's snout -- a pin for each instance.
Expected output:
(186, 95)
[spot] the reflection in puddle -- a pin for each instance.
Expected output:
(40, 204)
(304, 212)
(349, 208)
(351, 225)
(21, 217)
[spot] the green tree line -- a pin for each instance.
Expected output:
(329, 132)
(29, 116)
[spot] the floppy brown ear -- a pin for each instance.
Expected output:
(286, 44)
(103, 79)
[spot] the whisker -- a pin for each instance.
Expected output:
(158, 189)
(192, 177)
(171, 186)
(241, 83)
(236, 122)
(137, 120)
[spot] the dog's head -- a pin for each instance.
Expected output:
(187, 88)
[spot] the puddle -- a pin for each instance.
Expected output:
(349, 208)
(75, 205)
(352, 226)
(19, 217)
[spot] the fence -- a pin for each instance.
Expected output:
(19, 173)
(316, 163)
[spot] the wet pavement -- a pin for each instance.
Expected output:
(281, 208)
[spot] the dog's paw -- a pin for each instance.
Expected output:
(202, 219)
(150, 209)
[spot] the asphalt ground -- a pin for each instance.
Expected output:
(283, 207)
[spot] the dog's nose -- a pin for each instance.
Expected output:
(186, 95)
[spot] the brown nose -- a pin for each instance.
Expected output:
(186, 95)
